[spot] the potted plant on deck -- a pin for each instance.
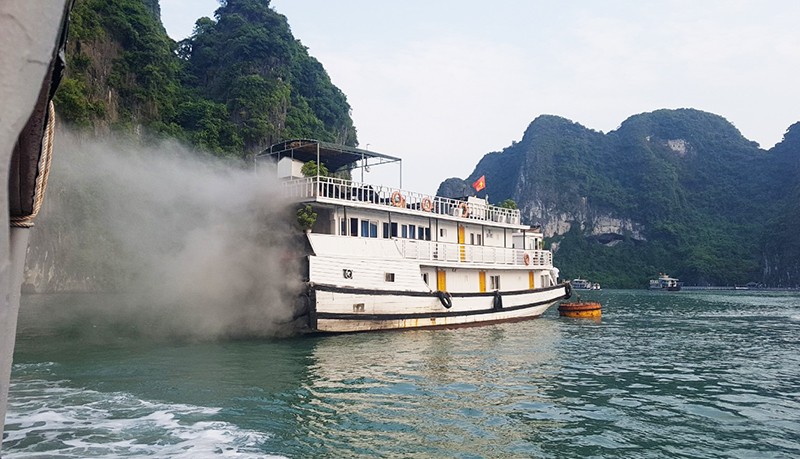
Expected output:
(306, 218)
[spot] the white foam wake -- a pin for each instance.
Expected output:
(47, 419)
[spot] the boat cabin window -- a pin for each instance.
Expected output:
(412, 231)
(442, 232)
(394, 229)
(353, 227)
(343, 227)
(389, 277)
(425, 278)
(369, 229)
(386, 230)
(405, 230)
(495, 280)
(478, 238)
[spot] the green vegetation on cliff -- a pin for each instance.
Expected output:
(240, 82)
(678, 191)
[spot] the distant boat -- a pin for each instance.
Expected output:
(664, 282)
(583, 284)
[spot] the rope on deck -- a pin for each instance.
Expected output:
(45, 159)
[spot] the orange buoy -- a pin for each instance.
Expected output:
(580, 309)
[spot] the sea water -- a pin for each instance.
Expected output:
(678, 374)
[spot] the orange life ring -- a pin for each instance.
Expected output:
(464, 209)
(526, 259)
(427, 204)
(398, 200)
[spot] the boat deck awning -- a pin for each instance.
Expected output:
(334, 157)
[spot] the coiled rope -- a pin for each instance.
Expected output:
(45, 159)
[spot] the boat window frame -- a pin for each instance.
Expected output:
(495, 282)
(354, 226)
(364, 227)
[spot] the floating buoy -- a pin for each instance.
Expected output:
(580, 309)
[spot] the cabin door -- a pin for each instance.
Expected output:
(482, 281)
(441, 280)
(462, 250)
(530, 280)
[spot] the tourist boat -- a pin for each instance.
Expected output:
(664, 282)
(381, 257)
(583, 284)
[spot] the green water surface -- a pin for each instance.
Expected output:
(683, 374)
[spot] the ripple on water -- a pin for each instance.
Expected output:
(685, 375)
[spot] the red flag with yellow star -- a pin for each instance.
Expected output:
(480, 183)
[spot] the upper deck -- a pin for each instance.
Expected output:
(290, 155)
(338, 191)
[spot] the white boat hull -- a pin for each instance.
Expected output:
(341, 310)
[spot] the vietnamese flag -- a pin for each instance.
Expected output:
(480, 183)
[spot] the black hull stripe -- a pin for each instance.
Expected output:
(366, 291)
(426, 315)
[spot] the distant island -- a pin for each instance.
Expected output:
(678, 191)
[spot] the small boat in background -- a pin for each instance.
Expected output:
(583, 284)
(664, 282)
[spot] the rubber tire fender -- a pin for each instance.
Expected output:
(498, 301)
(445, 298)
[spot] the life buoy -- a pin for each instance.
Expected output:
(427, 204)
(464, 209)
(445, 298)
(526, 259)
(398, 200)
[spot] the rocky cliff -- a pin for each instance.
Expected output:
(680, 191)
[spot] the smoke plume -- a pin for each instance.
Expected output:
(199, 248)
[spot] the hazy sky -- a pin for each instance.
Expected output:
(441, 83)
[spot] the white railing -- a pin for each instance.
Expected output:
(463, 253)
(347, 190)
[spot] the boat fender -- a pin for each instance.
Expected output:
(445, 298)
(427, 204)
(568, 289)
(498, 301)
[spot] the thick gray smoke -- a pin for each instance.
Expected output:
(200, 249)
